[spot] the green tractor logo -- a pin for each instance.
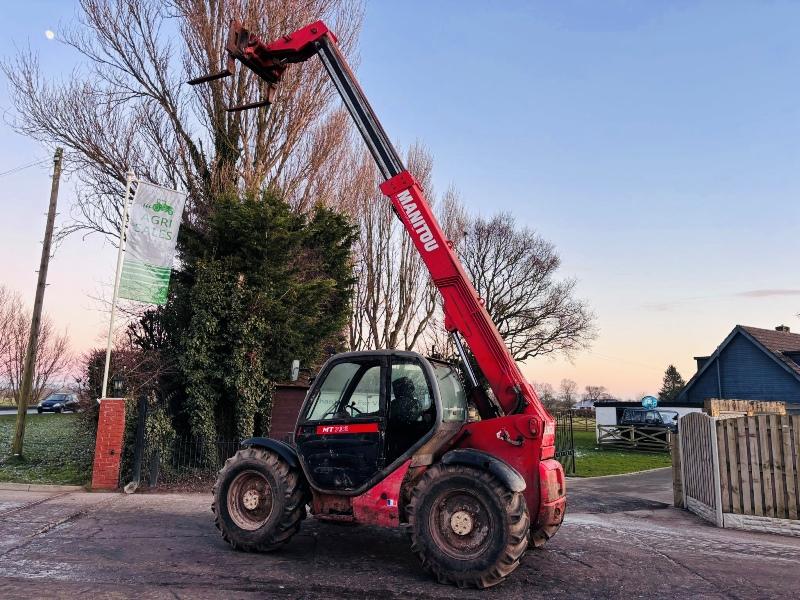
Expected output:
(162, 207)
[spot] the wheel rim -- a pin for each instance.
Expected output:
(461, 524)
(250, 500)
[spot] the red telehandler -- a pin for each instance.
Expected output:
(384, 437)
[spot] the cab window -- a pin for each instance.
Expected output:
(454, 401)
(350, 389)
(412, 411)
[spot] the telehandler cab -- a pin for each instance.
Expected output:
(383, 437)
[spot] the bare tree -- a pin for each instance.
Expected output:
(514, 271)
(547, 395)
(594, 393)
(9, 306)
(567, 393)
(395, 303)
(53, 357)
(127, 105)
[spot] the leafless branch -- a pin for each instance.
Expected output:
(127, 106)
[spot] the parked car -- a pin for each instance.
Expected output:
(655, 417)
(60, 402)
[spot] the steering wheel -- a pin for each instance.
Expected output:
(352, 406)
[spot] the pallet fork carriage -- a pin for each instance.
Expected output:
(383, 436)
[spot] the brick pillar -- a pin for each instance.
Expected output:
(108, 448)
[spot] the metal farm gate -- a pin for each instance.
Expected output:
(565, 441)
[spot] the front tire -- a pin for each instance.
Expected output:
(466, 527)
(259, 500)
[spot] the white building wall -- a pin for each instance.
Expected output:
(606, 415)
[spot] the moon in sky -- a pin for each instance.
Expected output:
(49, 34)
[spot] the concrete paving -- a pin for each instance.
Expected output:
(620, 540)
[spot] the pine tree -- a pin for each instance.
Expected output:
(672, 385)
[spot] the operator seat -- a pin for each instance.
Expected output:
(405, 408)
(406, 424)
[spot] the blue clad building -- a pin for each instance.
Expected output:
(750, 364)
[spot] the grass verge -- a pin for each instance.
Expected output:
(591, 461)
(52, 452)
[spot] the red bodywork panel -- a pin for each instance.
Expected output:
(379, 505)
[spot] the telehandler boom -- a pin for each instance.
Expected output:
(383, 436)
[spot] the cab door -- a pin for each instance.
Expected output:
(341, 434)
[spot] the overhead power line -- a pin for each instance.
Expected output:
(23, 167)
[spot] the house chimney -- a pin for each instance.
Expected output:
(782, 328)
(701, 361)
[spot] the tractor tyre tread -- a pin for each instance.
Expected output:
(293, 502)
(504, 561)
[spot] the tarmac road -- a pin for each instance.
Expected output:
(620, 540)
(13, 411)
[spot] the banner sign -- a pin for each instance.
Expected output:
(152, 234)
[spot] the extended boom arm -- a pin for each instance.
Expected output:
(465, 314)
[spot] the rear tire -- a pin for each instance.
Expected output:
(259, 500)
(466, 527)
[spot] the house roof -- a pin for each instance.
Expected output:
(781, 344)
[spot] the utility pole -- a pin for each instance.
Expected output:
(36, 320)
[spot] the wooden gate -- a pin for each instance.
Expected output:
(634, 437)
(700, 466)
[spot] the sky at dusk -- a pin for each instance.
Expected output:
(656, 144)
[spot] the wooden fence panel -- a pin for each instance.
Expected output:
(745, 485)
(722, 408)
(795, 435)
(748, 465)
(732, 458)
(756, 484)
(778, 473)
(725, 477)
(789, 466)
(765, 464)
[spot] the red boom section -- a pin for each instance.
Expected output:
(464, 310)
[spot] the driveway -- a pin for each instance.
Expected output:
(620, 540)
